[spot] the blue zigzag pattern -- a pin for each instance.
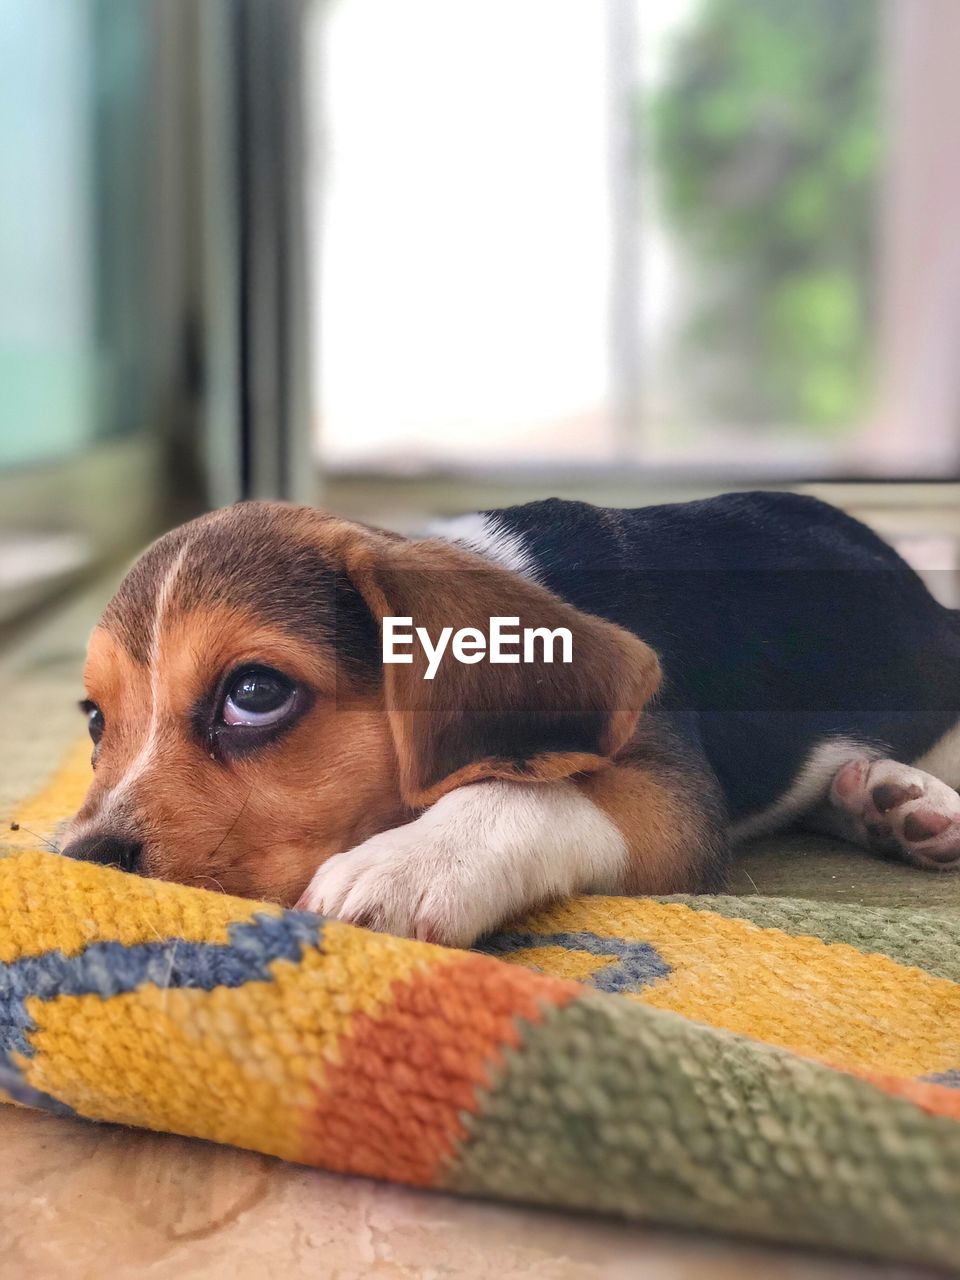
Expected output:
(110, 968)
(638, 964)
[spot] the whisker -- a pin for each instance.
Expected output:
(213, 879)
(15, 826)
(232, 827)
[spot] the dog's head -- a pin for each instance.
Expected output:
(245, 727)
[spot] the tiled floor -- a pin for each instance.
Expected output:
(91, 1202)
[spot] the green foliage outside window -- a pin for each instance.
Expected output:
(767, 146)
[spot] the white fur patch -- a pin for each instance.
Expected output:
(113, 798)
(143, 757)
(481, 854)
(487, 537)
(810, 786)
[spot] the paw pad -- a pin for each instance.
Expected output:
(888, 795)
(921, 826)
(896, 809)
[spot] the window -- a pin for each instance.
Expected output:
(714, 234)
(88, 330)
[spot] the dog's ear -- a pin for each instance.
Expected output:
(522, 721)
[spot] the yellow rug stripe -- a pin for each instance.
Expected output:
(823, 1000)
(257, 1045)
(44, 909)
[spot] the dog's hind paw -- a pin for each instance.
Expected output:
(896, 809)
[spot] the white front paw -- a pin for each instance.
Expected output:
(481, 855)
(410, 883)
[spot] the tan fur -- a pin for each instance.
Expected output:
(246, 586)
(660, 823)
(260, 827)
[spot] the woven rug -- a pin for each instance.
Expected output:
(764, 1066)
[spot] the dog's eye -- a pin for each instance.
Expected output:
(94, 719)
(258, 696)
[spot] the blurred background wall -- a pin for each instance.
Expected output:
(414, 256)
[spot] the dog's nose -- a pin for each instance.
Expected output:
(111, 850)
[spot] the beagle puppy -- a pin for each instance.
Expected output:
(733, 666)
